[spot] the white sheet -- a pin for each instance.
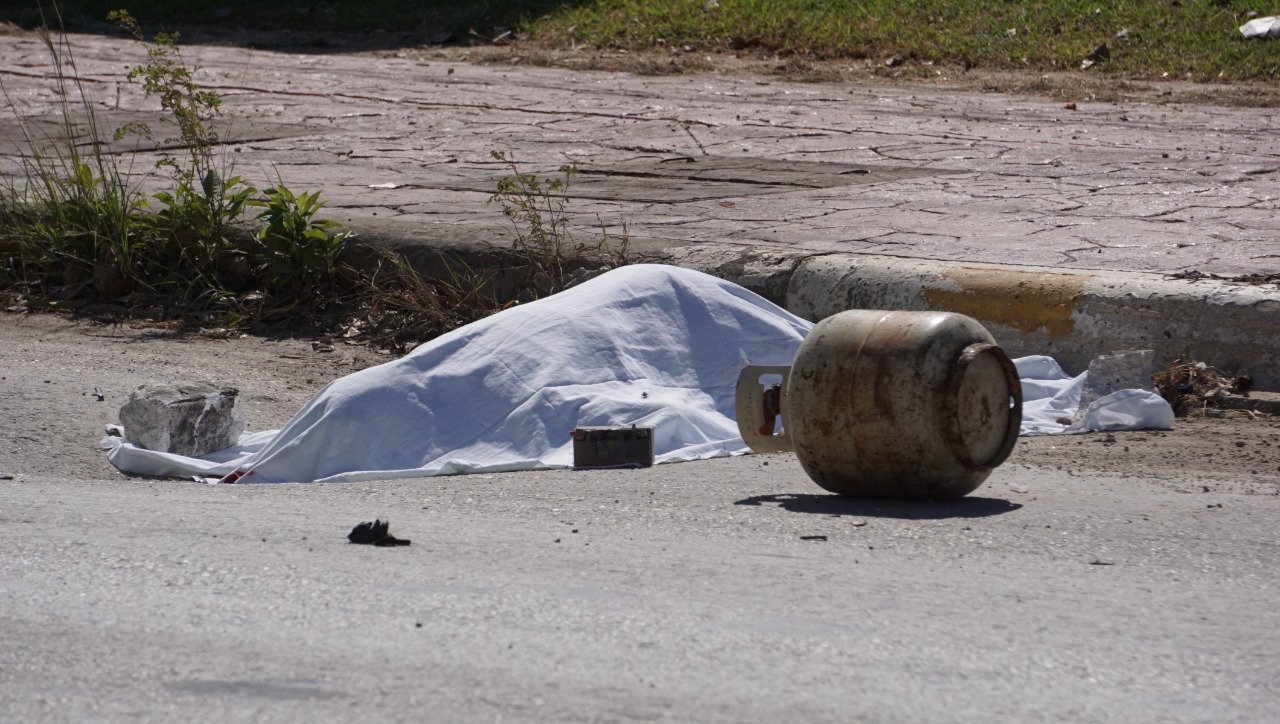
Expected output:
(648, 345)
(1051, 402)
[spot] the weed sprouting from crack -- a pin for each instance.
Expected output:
(77, 215)
(541, 237)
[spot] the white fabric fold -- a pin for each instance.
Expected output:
(1051, 403)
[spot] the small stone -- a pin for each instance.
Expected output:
(191, 419)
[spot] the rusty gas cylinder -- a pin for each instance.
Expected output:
(919, 405)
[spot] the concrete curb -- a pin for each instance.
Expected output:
(1073, 316)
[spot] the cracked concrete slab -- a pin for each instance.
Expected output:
(17, 131)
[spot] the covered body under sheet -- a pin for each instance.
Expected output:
(649, 345)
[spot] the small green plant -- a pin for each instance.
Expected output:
(541, 235)
(298, 251)
(77, 219)
(208, 199)
(167, 76)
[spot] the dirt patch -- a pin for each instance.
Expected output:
(1239, 447)
(52, 366)
(1065, 86)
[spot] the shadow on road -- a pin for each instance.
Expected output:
(827, 504)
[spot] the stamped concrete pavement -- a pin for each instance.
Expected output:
(918, 171)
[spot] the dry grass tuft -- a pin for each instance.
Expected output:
(1192, 387)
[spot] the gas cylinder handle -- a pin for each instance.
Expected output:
(1013, 423)
(758, 408)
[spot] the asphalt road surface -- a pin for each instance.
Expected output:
(1067, 588)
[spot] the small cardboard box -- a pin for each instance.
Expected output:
(612, 447)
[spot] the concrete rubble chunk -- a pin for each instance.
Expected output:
(190, 419)
(1108, 373)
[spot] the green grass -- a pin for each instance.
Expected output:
(1177, 37)
(1191, 36)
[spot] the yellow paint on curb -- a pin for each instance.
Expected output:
(1025, 301)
